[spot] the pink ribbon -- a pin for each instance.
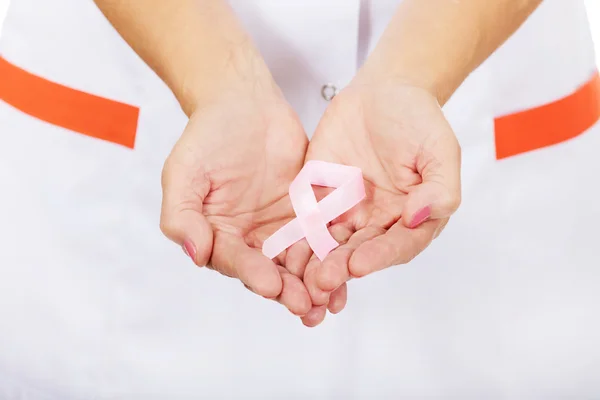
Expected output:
(312, 217)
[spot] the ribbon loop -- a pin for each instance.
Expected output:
(312, 217)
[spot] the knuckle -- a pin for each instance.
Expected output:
(170, 227)
(452, 202)
(457, 146)
(167, 226)
(166, 173)
(327, 279)
(440, 229)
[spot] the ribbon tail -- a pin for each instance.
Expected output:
(286, 236)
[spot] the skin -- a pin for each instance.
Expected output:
(225, 198)
(389, 122)
(410, 160)
(225, 183)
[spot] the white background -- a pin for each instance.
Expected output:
(594, 15)
(593, 10)
(3, 6)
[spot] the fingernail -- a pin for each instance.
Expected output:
(420, 216)
(189, 250)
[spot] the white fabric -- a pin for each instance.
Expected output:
(95, 303)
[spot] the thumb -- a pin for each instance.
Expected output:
(182, 221)
(439, 193)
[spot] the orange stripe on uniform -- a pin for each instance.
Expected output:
(549, 124)
(68, 108)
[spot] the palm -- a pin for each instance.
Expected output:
(394, 134)
(234, 163)
(249, 181)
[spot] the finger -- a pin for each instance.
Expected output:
(334, 270)
(341, 233)
(183, 191)
(297, 257)
(318, 296)
(439, 194)
(294, 295)
(315, 316)
(337, 300)
(399, 245)
(440, 228)
(278, 260)
(233, 257)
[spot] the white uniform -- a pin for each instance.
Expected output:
(96, 304)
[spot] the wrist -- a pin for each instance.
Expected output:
(429, 44)
(417, 67)
(238, 69)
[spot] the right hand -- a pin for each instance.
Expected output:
(398, 136)
(225, 189)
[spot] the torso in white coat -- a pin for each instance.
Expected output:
(96, 303)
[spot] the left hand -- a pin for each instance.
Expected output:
(410, 159)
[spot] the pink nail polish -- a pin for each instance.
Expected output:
(189, 249)
(420, 216)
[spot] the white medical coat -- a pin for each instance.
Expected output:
(96, 304)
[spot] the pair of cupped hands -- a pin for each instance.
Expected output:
(226, 181)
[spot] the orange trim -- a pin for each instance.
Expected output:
(549, 124)
(69, 108)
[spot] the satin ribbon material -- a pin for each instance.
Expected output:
(312, 217)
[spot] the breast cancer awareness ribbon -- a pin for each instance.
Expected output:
(312, 217)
